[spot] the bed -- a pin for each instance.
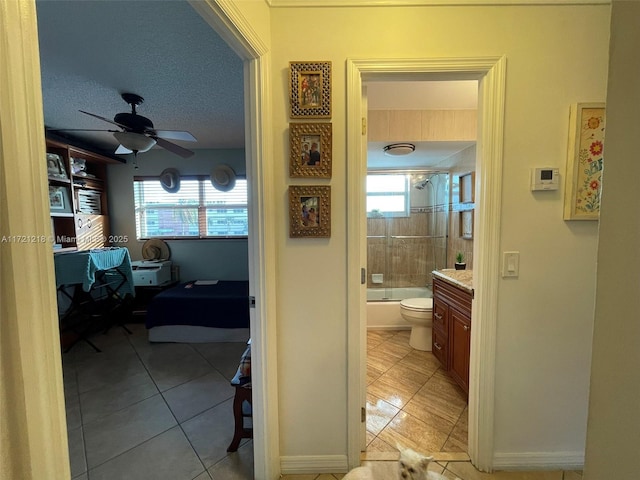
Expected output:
(200, 311)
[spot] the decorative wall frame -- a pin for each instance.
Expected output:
(309, 211)
(583, 181)
(310, 89)
(310, 150)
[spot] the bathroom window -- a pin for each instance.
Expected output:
(387, 195)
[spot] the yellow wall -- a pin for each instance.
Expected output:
(546, 315)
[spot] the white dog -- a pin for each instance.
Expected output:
(412, 466)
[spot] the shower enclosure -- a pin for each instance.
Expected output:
(407, 229)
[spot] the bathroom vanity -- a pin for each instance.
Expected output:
(451, 334)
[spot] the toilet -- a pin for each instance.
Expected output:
(419, 313)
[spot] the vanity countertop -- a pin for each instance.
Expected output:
(459, 278)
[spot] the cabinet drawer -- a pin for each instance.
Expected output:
(90, 231)
(440, 314)
(439, 348)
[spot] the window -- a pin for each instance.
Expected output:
(387, 195)
(197, 210)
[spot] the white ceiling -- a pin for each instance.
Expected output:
(92, 51)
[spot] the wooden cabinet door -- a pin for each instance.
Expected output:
(460, 343)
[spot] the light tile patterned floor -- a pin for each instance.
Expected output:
(152, 411)
(411, 401)
(460, 470)
(163, 411)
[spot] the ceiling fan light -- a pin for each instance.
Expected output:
(399, 149)
(135, 142)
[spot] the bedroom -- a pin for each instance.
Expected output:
(171, 80)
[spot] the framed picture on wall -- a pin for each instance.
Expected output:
(583, 181)
(309, 211)
(310, 89)
(310, 150)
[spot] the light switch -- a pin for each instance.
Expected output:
(510, 264)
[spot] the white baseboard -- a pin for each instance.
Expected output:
(313, 464)
(538, 461)
(389, 327)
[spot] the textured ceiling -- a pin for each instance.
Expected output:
(92, 51)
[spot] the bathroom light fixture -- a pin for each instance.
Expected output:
(399, 149)
(135, 142)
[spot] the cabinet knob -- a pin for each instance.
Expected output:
(437, 345)
(465, 327)
(438, 316)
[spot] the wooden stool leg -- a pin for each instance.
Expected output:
(240, 432)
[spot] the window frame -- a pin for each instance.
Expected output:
(202, 208)
(406, 194)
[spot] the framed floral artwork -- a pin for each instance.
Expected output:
(310, 150)
(309, 211)
(310, 89)
(583, 181)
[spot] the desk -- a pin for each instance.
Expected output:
(95, 284)
(80, 268)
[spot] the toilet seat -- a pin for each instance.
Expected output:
(420, 304)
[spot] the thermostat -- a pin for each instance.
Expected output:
(544, 179)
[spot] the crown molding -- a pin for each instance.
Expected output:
(428, 3)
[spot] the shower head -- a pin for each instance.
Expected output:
(421, 184)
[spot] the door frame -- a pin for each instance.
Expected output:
(491, 75)
(34, 375)
(228, 22)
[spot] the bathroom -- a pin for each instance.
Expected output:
(415, 211)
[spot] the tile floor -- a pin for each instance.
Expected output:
(152, 411)
(141, 411)
(457, 470)
(411, 401)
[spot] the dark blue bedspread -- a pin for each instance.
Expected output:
(223, 305)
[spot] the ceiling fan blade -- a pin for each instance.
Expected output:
(80, 130)
(122, 150)
(175, 135)
(103, 118)
(172, 147)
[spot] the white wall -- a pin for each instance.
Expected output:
(224, 259)
(545, 315)
(613, 435)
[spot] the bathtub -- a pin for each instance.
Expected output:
(383, 313)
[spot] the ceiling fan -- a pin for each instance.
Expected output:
(138, 134)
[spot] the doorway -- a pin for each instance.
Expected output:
(411, 214)
(490, 72)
